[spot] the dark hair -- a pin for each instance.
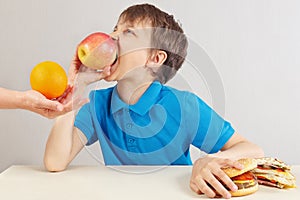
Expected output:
(167, 35)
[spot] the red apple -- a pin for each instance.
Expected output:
(97, 50)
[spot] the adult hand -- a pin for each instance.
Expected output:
(79, 77)
(36, 102)
(208, 176)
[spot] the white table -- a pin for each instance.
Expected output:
(100, 182)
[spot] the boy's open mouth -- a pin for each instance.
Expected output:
(115, 61)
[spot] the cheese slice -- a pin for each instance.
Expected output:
(251, 182)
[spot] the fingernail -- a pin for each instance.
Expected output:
(228, 196)
(235, 188)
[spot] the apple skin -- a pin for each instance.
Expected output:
(97, 50)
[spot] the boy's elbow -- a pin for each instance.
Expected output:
(52, 165)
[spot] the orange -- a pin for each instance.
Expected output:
(49, 78)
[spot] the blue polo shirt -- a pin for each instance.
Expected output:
(157, 130)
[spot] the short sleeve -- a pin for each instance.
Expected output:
(213, 131)
(84, 122)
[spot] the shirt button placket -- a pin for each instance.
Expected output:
(131, 143)
(129, 125)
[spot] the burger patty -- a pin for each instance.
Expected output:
(245, 184)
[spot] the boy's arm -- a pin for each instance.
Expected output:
(205, 170)
(64, 143)
(239, 147)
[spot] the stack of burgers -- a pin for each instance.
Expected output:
(273, 172)
(265, 171)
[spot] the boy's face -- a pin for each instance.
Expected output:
(133, 41)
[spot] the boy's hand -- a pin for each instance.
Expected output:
(81, 75)
(208, 176)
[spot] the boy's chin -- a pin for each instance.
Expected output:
(110, 78)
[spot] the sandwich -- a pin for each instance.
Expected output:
(244, 179)
(275, 173)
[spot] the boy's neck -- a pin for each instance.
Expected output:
(131, 91)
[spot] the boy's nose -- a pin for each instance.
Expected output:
(114, 36)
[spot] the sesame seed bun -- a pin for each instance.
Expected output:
(248, 164)
(241, 178)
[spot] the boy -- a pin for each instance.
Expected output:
(141, 121)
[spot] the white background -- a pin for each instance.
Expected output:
(254, 45)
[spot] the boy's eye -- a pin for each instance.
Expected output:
(129, 31)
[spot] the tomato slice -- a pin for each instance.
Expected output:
(280, 170)
(244, 176)
(269, 168)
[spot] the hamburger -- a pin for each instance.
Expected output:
(244, 179)
(274, 172)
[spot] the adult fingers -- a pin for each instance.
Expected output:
(50, 105)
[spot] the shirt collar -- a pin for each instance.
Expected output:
(143, 105)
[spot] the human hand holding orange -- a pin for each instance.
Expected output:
(49, 79)
(50, 82)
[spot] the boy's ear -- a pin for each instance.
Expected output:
(158, 57)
